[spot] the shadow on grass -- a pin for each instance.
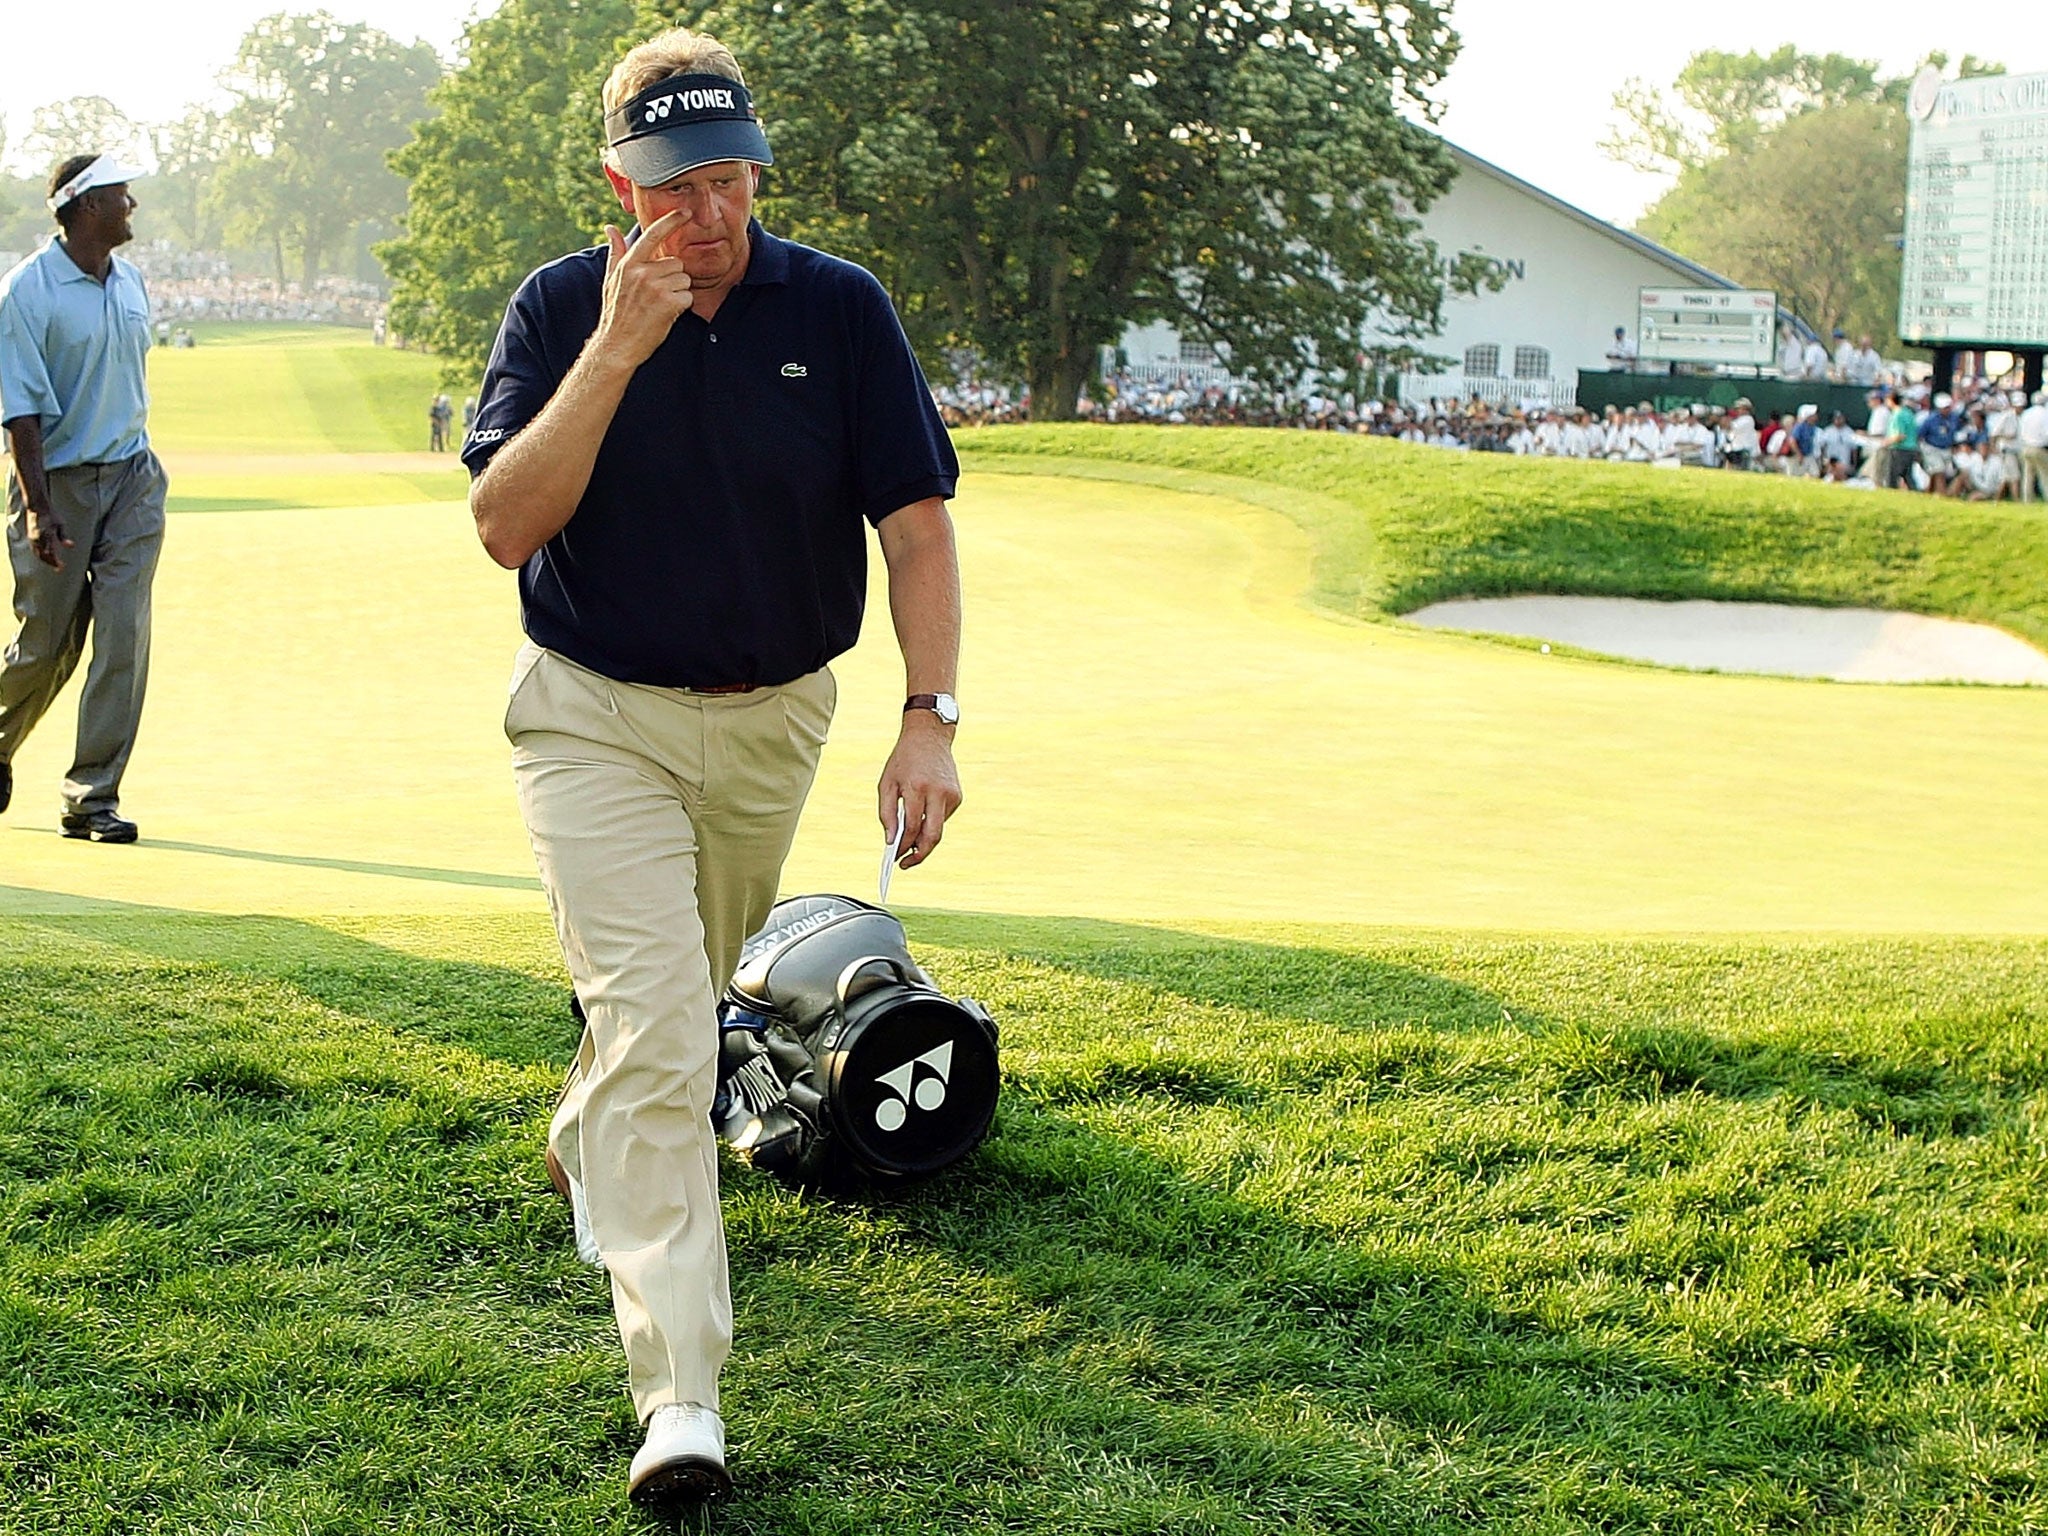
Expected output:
(433, 874)
(1114, 1319)
(224, 504)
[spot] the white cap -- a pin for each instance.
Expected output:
(106, 171)
(1941, 402)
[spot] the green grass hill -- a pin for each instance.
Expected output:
(1397, 525)
(1447, 1088)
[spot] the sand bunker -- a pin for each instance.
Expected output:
(1851, 645)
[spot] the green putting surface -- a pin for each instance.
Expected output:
(1158, 730)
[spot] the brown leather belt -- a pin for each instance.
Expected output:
(726, 688)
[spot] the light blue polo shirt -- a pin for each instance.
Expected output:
(71, 353)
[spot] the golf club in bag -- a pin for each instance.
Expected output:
(840, 1060)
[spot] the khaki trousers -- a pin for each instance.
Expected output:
(2034, 474)
(660, 820)
(114, 516)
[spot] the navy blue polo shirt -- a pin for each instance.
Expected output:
(723, 536)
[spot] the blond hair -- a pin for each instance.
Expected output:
(676, 52)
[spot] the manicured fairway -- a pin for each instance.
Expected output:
(1158, 730)
(276, 389)
(255, 416)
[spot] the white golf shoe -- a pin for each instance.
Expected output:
(586, 1244)
(579, 1209)
(683, 1461)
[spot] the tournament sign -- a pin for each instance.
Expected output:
(1707, 325)
(1976, 258)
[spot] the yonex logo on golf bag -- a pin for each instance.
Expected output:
(689, 101)
(929, 1093)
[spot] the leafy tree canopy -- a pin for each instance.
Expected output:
(319, 105)
(1025, 176)
(506, 174)
(81, 125)
(189, 152)
(1029, 175)
(1790, 175)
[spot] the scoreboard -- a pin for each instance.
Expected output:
(1707, 325)
(1976, 258)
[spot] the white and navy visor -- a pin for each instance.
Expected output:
(106, 171)
(683, 122)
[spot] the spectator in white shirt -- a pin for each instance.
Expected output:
(1644, 437)
(2034, 449)
(2003, 425)
(1742, 436)
(1878, 456)
(1691, 438)
(1791, 353)
(1621, 357)
(1867, 365)
(1835, 447)
(1845, 357)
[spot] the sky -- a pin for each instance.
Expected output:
(1531, 91)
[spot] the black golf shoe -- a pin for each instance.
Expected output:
(99, 827)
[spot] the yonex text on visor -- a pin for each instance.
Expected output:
(683, 122)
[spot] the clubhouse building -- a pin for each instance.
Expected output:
(1571, 279)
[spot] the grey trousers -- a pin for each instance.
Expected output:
(114, 517)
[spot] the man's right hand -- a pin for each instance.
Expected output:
(45, 536)
(646, 291)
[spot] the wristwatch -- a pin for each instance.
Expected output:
(944, 705)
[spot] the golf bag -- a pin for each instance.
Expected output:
(839, 1060)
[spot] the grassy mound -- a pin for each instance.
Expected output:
(1396, 525)
(1311, 1234)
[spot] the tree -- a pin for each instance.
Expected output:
(319, 105)
(189, 152)
(1726, 101)
(506, 174)
(1791, 175)
(1812, 210)
(82, 125)
(1026, 176)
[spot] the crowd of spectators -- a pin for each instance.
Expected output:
(1176, 401)
(186, 286)
(1982, 442)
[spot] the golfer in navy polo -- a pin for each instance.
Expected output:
(682, 439)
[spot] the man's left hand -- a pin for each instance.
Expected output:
(921, 776)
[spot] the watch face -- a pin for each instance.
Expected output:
(947, 708)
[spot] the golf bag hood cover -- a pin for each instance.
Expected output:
(839, 1055)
